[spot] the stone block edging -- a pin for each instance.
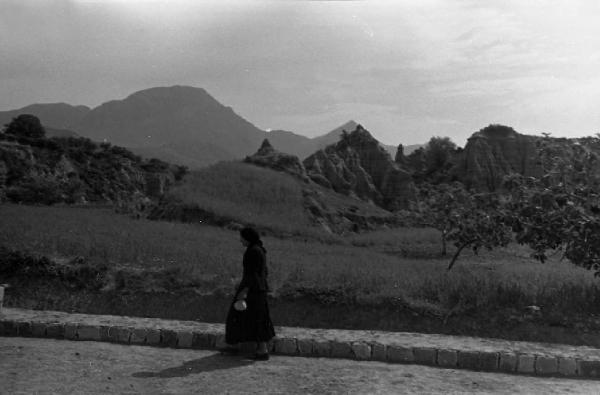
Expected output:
(311, 343)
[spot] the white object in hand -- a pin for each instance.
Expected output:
(240, 305)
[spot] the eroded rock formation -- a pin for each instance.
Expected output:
(77, 171)
(267, 156)
(358, 166)
(494, 152)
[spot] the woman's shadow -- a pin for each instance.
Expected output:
(206, 364)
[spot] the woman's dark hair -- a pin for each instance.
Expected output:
(251, 235)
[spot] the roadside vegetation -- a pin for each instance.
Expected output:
(403, 269)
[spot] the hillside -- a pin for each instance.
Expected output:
(233, 193)
(77, 170)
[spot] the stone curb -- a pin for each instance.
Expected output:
(308, 343)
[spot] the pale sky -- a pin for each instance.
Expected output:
(406, 70)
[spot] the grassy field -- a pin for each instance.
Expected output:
(249, 194)
(273, 201)
(364, 269)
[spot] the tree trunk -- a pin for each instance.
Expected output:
(444, 251)
(455, 257)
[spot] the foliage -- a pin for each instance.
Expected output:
(25, 125)
(154, 165)
(497, 130)
(35, 190)
(439, 150)
(561, 210)
(481, 285)
(433, 162)
(72, 170)
(442, 207)
(469, 219)
(76, 274)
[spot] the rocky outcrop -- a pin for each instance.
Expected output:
(494, 152)
(77, 171)
(340, 214)
(400, 158)
(358, 166)
(267, 156)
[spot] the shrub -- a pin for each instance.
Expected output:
(26, 125)
(35, 190)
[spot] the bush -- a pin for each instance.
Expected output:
(35, 190)
(26, 125)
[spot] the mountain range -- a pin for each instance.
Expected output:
(179, 124)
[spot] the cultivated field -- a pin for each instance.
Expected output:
(401, 265)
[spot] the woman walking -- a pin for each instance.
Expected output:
(248, 319)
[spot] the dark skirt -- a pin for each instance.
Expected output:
(251, 325)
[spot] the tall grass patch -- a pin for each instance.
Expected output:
(247, 193)
(340, 273)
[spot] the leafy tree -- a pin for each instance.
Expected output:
(439, 151)
(497, 130)
(467, 219)
(26, 125)
(483, 224)
(433, 162)
(442, 207)
(36, 189)
(561, 210)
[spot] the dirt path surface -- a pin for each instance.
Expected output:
(42, 366)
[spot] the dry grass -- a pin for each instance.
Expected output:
(502, 278)
(247, 193)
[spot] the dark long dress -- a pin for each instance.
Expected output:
(254, 324)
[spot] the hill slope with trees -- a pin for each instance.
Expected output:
(37, 169)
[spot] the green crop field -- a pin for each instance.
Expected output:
(366, 268)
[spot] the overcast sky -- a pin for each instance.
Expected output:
(406, 70)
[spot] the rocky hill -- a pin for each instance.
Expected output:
(77, 170)
(271, 197)
(303, 147)
(267, 156)
(358, 166)
(494, 152)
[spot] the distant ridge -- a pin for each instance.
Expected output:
(302, 146)
(54, 115)
(179, 124)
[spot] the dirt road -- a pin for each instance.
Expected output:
(42, 366)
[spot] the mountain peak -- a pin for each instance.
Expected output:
(359, 137)
(348, 127)
(172, 97)
(185, 119)
(175, 90)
